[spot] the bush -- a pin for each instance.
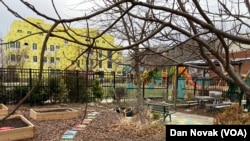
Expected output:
(156, 116)
(232, 115)
(18, 93)
(39, 96)
(77, 87)
(120, 92)
(58, 89)
(97, 90)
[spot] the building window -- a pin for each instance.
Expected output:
(87, 39)
(109, 59)
(110, 55)
(19, 31)
(91, 62)
(65, 42)
(100, 53)
(109, 64)
(119, 73)
(57, 59)
(78, 62)
(91, 52)
(29, 32)
(52, 48)
(52, 60)
(12, 57)
(26, 44)
(18, 57)
(17, 44)
(57, 47)
(119, 54)
(100, 63)
(34, 46)
(45, 59)
(26, 57)
(12, 45)
(35, 59)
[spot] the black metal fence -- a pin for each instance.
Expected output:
(75, 86)
(205, 86)
(55, 85)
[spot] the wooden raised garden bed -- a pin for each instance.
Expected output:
(3, 110)
(42, 114)
(16, 127)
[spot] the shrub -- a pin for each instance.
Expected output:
(58, 89)
(3, 95)
(97, 90)
(156, 116)
(148, 130)
(77, 87)
(18, 93)
(232, 115)
(39, 96)
(120, 92)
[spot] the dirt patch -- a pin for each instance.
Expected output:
(13, 123)
(53, 110)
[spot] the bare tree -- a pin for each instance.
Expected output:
(154, 22)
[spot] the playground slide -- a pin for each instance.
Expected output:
(189, 78)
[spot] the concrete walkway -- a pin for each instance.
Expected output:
(183, 118)
(189, 119)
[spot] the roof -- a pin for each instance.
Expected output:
(236, 61)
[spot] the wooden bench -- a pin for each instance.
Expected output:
(162, 109)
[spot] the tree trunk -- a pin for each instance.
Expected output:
(139, 96)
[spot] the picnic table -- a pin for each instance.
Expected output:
(203, 99)
(221, 105)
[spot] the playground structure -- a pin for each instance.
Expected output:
(182, 85)
(178, 78)
(188, 87)
(189, 78)
(183, 71)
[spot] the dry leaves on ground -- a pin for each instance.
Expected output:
(108, 125)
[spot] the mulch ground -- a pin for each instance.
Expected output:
(108, 125)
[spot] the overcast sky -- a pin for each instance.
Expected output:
(43, 6)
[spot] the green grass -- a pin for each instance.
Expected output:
(150, 92)
(154, 92)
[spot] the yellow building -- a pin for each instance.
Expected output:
(59, 53)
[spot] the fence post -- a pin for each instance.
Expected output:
(114, 79)
(30, 81)
(143, 90)
(77, 86)
(167, 86)
(114, 97)
(195, 87)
